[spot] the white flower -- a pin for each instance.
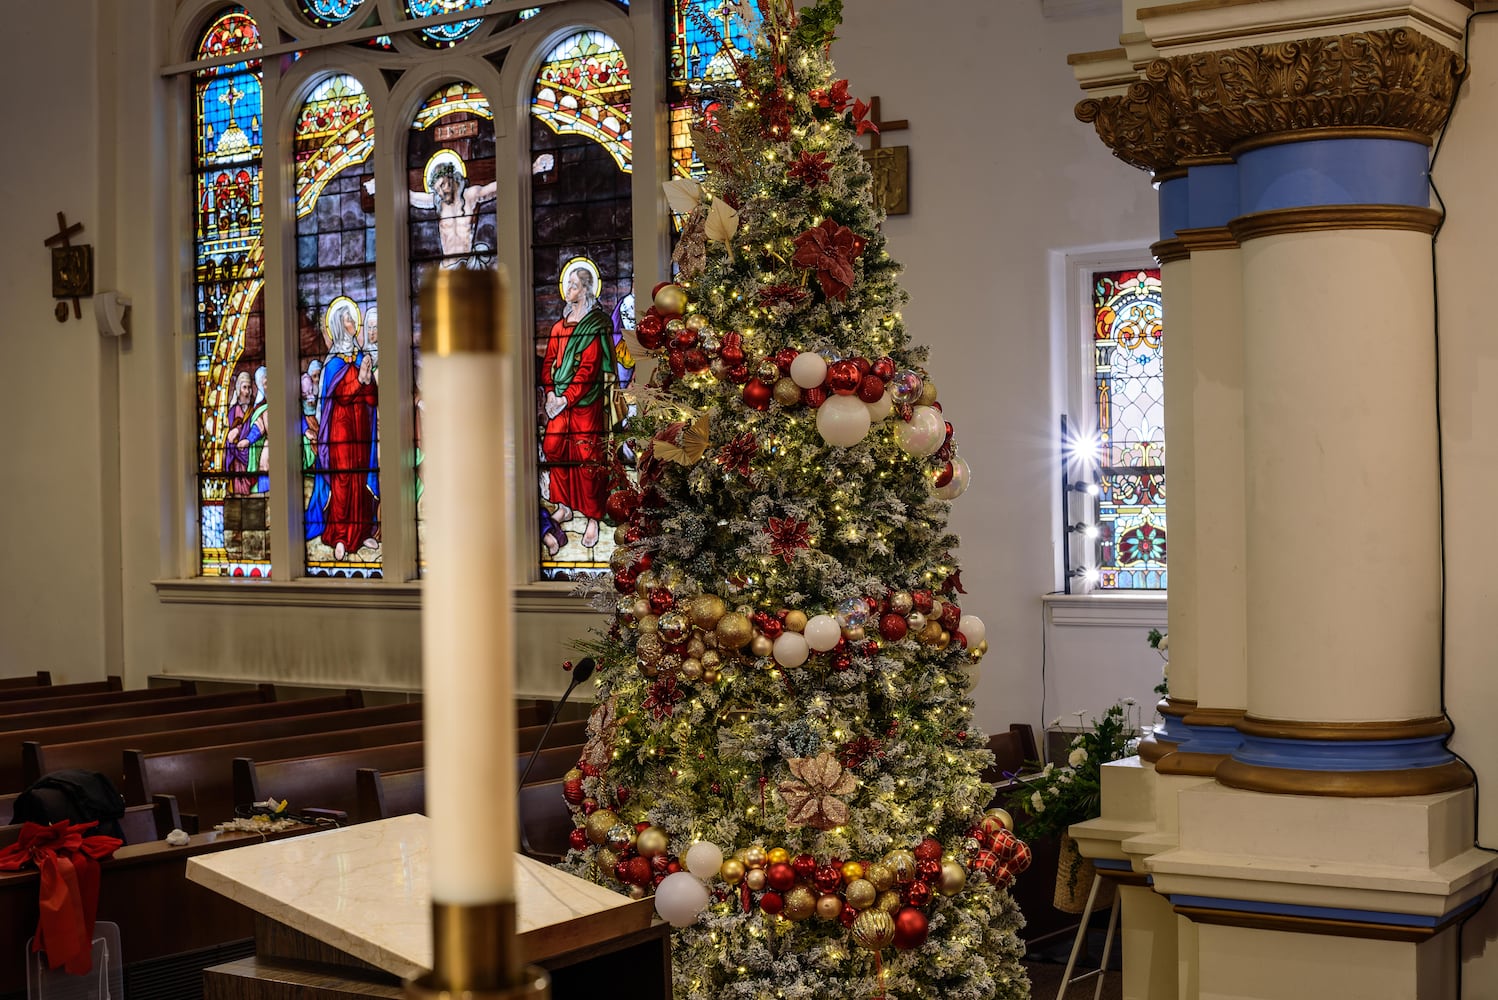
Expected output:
(1064, 778)
(1077, 756)
(1055, 723)
(1048, 769)
(1036, 802)
(1130, 702)
(1164, 643)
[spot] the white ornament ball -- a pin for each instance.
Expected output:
(808, 370)
(844, 420)
(960, 479)
(822, 633)
(790, 649)
(680, 899)
(703, 859)
(923, 433)
(972, 628)
(878, 411)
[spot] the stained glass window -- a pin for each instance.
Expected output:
(229, 274)
(327, 13)
(450, 175)
(444, 35)
(583, 269)
(1129, 357)
(702, 36)
(338, 330)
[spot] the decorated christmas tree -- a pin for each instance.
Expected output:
(783, 748)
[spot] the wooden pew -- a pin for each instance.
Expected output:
(106, 754)
(126, 710)
(42, 678)
(562, 734)
(78, 702)
(551, 763)
(326, 782)
(140, 824)
(382, 794)
(21, 692)
(201, 778)
(545, 820)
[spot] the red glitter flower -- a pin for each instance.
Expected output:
(664, 694)
(788, 535)
(772, 294)
(829, 249)
(812, 169)
(855, 752)
(735, 455)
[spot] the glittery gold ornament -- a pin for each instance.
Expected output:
(649, 624)
(800, 903)
(931, 634)
(754, 878)
(880, 876)
(873, 929)
(928, 393)
(651, 841)
(645, 583)
(696, 322)
(761, 645)
(573, 775)
(902, 863)
(795, 621)
(731, 871)
(705, 610)
(756, 856)
(860, 894)
(674, 626)
(829, 907)
(691, 668)
(777, 856)
(734, 631)
(670, 663)
(711, 660)
(621, 534)
(787, 392)
(854, 633)
(649, 647)
(600, 823)
(607, 861)
(695, 646)
(953, 878)
(852, 870)
(889, 901)
(901, 603)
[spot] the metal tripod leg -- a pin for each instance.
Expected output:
(1071, 963)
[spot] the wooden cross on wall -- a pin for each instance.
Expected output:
(72, 267)
(890, 164)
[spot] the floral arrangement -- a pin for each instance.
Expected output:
(1047, 803)
(1160, 642)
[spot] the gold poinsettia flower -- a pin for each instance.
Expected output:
(811, 797)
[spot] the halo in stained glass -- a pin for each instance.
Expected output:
(445, 35)
(232, 31)
(582, 88)
(328, 13)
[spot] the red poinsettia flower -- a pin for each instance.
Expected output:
(836, 98)
(829, 249)
(735, 455)
(787, 535)
(775, 115)
(812, 169)
(860, 119)
(770, 295)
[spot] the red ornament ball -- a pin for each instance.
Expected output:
(578, 838)
(684, 338)
(1005, 845)
(951, 614)
(871, 389)
(871, 648)
(922, 601)
(651, 331)
(732, 353)
(676, 359)
(842, 661)
(864, 367)
(621, 795)
(739, 374)
(892, 627)
(944, 475)
(661, 600)
(848, 915)
(772, 902)
(928, 850)
(783, 359)
(885, 368)
(1003, 876)
(814, 397)
(991, 827)
(757, 395)
(1021, 859)
(984, 863)
(624, 582)
(640, 872)
(621, 505)
(780, 876)
(572, 790)
(843, 377)
(696, 360)
(929, 869)
(805, 866)
(828, 878)
(918, 893)
(911, 928)
(772, 628)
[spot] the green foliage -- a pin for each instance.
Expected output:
(1047, 803)
(819, 24)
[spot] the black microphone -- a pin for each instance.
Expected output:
(580, 673)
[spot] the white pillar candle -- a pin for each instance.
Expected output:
(467, 626)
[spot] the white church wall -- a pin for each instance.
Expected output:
(58, 551)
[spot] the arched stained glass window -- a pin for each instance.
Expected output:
(1129, 372)
(450, 175)
(328, 13)
(451, 33)
(229, 275)
(338, 330)
(583, 269)
(703, 37)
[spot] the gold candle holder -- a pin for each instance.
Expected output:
(476, 956)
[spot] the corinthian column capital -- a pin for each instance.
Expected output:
(1204, 106)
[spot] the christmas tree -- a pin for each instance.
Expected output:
(783, 748)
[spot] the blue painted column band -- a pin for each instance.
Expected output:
(1323, 912)
(1334, 172)
(1212, 196)
(1343, 755)
(1209, 739)
(1175, 210)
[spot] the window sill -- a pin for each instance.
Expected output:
(1105, 609)
(534, 598)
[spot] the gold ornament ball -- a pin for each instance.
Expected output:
(761, 645)
(800, 903)
(829, 907)
(695, 646)
(743, 855)
(944, 640)
(777, 856)
(756, 856)
(711, 660)
(696, 322)
(853, 633)
(607, 861)
(637, 892)
(928, 393)
(640, 608)
(671, 299)
(648, 669)
(1002, 815)
(600, 823)
(931, 634)
(649, 624)
(691, 668)
(880, 876)
(787, 392)
(795, 621)
(873, 929)
(734, 631)
(852, 870)
(754, 878)
(573, 775)
(731, 871)
(902, 863)
(652, 841)
(705, 610)
(860, 894)
(889, 901)
(710, 676)
(901, 602)
(953, 878)
(621, 535)
(649, 647)
(645, 583)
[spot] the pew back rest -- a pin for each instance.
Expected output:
(126, 710)
(201, 778)
(562, 734)
(34, 691)
(325, 781)
(42, 678)
(545, 821)
(28, 706)
(381, 794)
(107, 754)
(551, 763)
(140, 824)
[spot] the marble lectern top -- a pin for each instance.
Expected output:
(363, 889)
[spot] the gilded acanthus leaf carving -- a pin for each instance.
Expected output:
(1203, 104)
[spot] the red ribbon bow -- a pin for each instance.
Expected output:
(69, 896)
